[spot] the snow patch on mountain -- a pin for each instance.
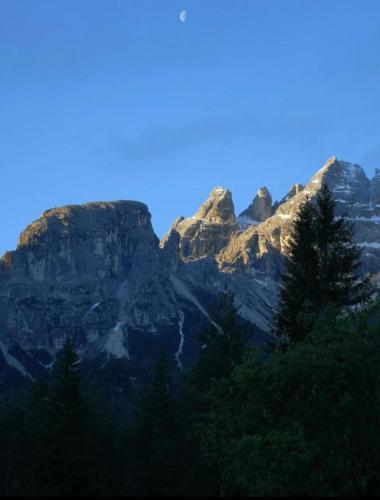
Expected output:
(179, 352)
(12, 361)
(115, 344)
(369, 245)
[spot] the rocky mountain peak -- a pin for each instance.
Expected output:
(334, 171)
(218, 208)
(357, 199)
(263, 192)
(99, 268)
(259, 210)
(293, 191)
(208, 231)
(349, 185)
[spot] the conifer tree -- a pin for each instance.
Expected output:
(36, 418)
(321, 270)
(222, 343)
(154, 442)
(338, 257)
(305, 422)
(298, 294)
(65, 464)
(222, 348)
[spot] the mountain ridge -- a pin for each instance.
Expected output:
(99, 271)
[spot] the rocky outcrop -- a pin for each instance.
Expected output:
(99, 273)
(293, 191)
(258, 211)
(261, 247)
(209, 230)
(375, 190)
(87, 269)
(100, 240)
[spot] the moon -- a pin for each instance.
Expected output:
(183, 16)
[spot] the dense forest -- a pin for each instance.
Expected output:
(301, 417)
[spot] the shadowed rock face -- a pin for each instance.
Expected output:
(91, 271)
(99, 273)
(375, 191)
(100, 240)
(262, 246)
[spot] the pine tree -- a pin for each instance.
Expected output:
(304, 423)
(65, 463)
(222, 343)
(338, 257)
(14, 467)
(321, 270)
(298, 295)
(106, 453)
(154, 454)
(36, 412)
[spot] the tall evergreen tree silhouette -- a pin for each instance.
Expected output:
(321, 270)
(222, 343)
(298, 295)
(65, 465)
(338, 257)
(154, 442)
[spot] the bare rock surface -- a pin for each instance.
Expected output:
(258, 211)
(208, 231)
(99, 273)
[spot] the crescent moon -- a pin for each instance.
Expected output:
(183, 16)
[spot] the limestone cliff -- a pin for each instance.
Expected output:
(99, 273)
(258, 211)
(209, 230)
(261, 246)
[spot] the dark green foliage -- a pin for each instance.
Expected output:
(15, 474)
(73, 443)
(105, 448)
(155, 454)
(305, 422)
(298, 297)
(65, 466)
(222, 344)
(36, 421)
(298, 421)
(338, 257)
(321, 271)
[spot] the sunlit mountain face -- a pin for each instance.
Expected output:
(100, 271)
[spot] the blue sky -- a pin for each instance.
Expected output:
(117, 99)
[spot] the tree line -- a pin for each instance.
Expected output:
(301, 417)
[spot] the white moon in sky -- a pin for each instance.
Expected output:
(183, 16)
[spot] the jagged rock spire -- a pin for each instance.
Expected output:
(260, 208)
(293, 191)
(209, 230)
(218, 207)
(356, 198)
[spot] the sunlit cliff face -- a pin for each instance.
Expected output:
(100, 269)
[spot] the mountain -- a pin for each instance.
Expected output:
(99, 273)
(261, 246)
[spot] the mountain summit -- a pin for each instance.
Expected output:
(209, 230)
(99, 273)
